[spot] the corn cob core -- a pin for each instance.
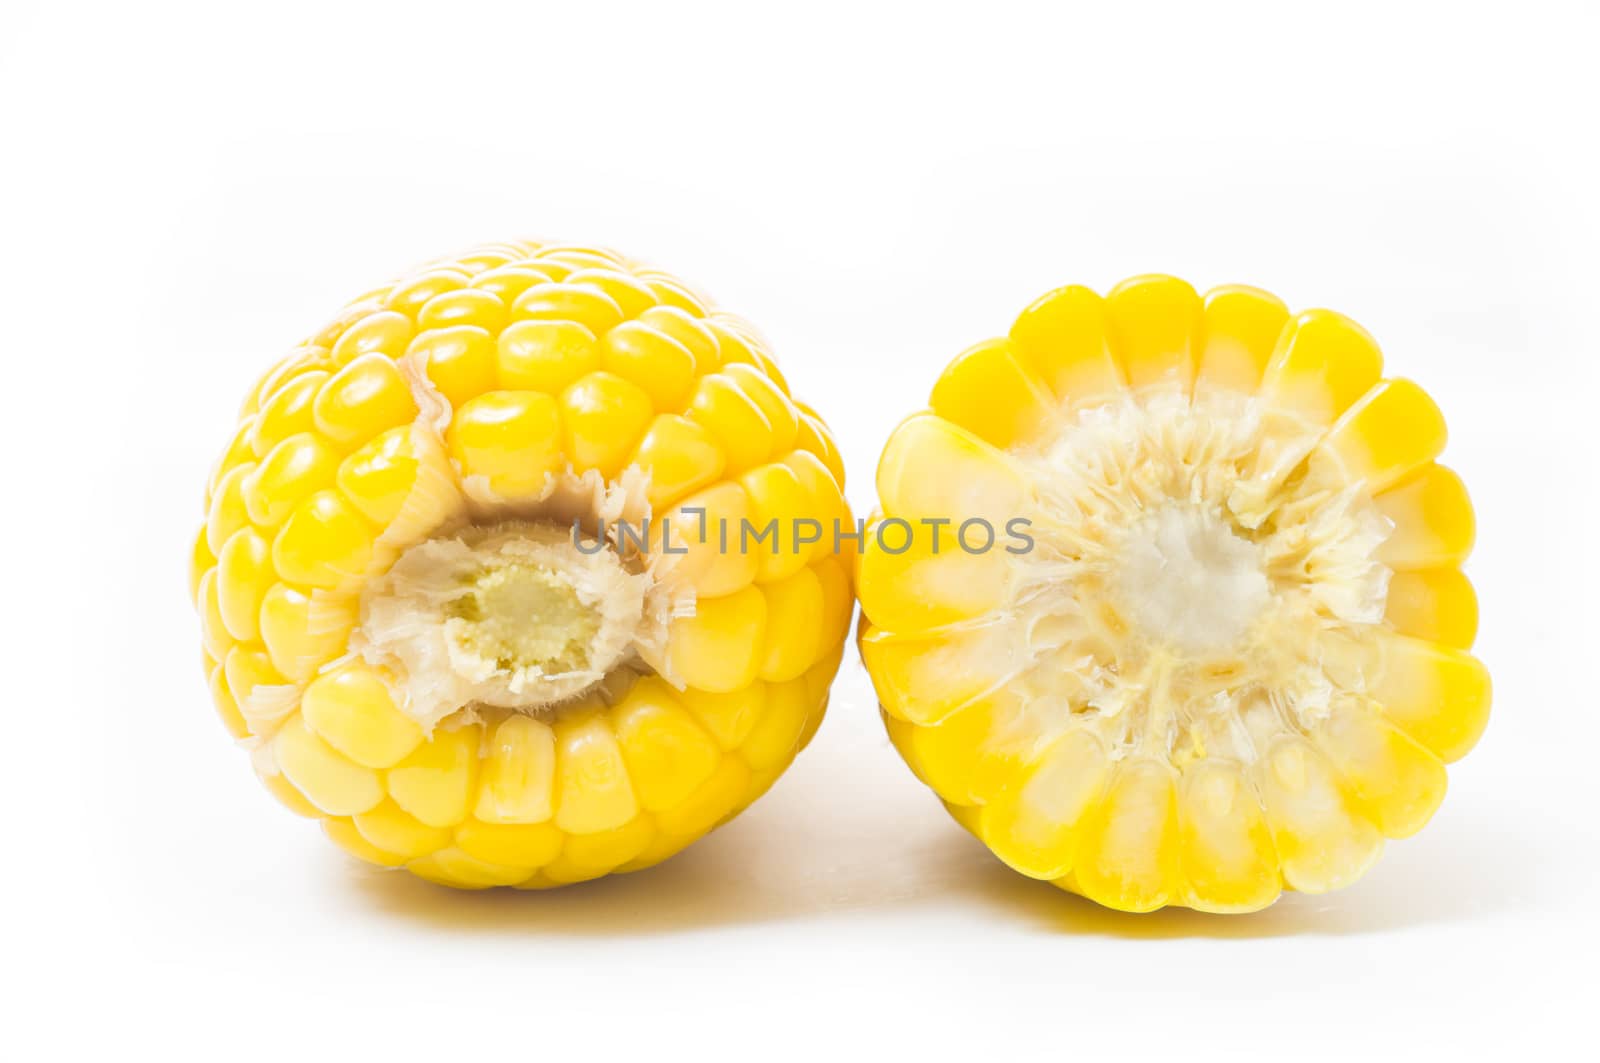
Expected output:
(1230, 655)
(489, 630)
(461, 585)
(1189, 580)
(513, 615)
(1172, 597)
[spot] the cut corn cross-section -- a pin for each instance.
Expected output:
(1224, 650)
(466, 585)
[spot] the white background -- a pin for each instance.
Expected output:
(185, 192)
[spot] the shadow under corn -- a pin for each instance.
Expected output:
(850, 831)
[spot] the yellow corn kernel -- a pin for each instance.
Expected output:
(719, 647)
(632, 295)
(244, 576)
(1156, 323)
(1322, 839)
(687, 330)
(1241, 330)
(760, 381)
(356, 310)
(584, 305)
(201, 561)
(435, 783)
(413, 293)
(1128, 857)
(777, 501)
(1063, 338)
(775, 739)
(343, 833)
(236, 453)
(1324, 362)
(287, 413)
(823, 502)
(1437, 695)
(352, 710)
(1433, 520)
(263, 695)
(683, 456)
(728, 717)
(511, 280)
(674, 294)
(667, 753)
(1227, 856)
(400, 482)
(302, 360)
(838, 600)
(286, 795)
(510, 844)
(424, 611)
(213, 631)
(660, 847)
(969, 756)
(545, 355)
(463, 306)
(510, 440)
(735, 345)
(1035, 825)
(604, 416)
(1394, 430)
(1207, 638)
(793, 637)
(303, 631)
(589, 856)
(1398, 783)
(987, 391)
(704, 531)
(661, 366)
(734, 418)
(392, 830)
(713, 801)
(383, 332)
(459, 361)
(337, 786)
(915, 577)
(934, 469)
(1435, 604)
(593, 791)
(485, 258)
(518, 775)
(227, 512)
(818, 678)
(227, 705)
(290, 473)
(454, 867)
(364, 398)
(325, 543)
(812, 435)
(923, 678)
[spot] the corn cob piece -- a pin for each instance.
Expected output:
(1218, 647)
(472, 581)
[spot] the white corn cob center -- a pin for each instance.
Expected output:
(1184, 597)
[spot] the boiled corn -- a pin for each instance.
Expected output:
(1223, 650)
(420, 605)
